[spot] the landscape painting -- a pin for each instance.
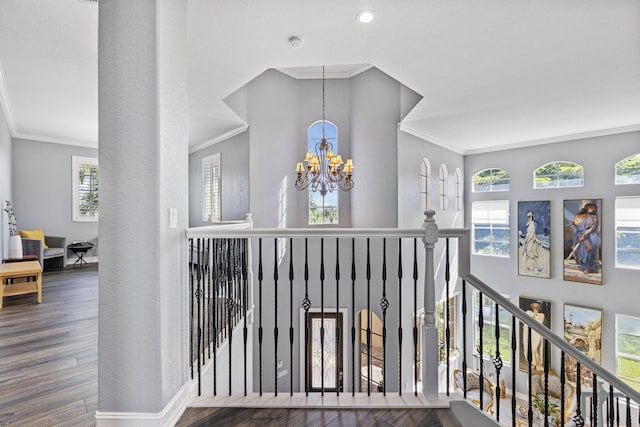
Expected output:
(540, 311)
(583, 241)
(583, 330)
(534, 258)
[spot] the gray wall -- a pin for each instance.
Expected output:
(598, 156)
(234, 163)
(5, 182)
(42, 190)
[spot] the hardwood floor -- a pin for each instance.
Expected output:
(49, 352)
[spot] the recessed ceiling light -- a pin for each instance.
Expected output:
(365, 17)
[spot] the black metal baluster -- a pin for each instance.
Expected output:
(464, 338)
(415, 316)
(275, 315)
(497, 361)
(578, 418)
(610, 407)
(595, 399)
(245, 302)
(230, 309)
(306, 304)
(628, 412)
(208, 299)
(191, 294)
(447, 329)
(384, 304)
(368, 319)
(353, 317)
(291, 330)
(480, 350)
(400, 317)
(337, 351)
(562, 384)
(529, 356)
(591, 410)
(216, 316)
(545, 365)
(322, 316)
(513, 370)
(617, 411)
(260, 331)
(198, 298)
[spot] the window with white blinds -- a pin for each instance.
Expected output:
(628, 232)
(211, 189)
(490, 223)
(85, 186)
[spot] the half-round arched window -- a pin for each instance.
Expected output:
(323, 209)
(628, 170)
(443, 174)
(459, 181)
(425, 176)
(558, 174)
(493, 179)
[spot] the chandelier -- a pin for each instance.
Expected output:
(325, 171)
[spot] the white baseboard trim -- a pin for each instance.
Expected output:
(168, 417)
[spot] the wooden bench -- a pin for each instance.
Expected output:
(20, 278)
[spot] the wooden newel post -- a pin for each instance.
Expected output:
(429, 348)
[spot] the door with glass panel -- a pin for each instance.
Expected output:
(327, 376)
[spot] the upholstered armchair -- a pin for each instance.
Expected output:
(56, 251)
(473, 389)
(554, 394)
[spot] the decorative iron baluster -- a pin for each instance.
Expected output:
(368, 318)
(610, 413)
(275, 314)
(513, 370)
(400, 317)
(591, 411)
(529, 356)
(208, 295)
(545, 366)
(198, 298)
(384, 304)
(497, 360)
(353, 317)
(216, 315)
(578, 418)
(245, 302)
(415, 316)
(337, 324)
(480, 351)
(628, 412)
(191, 293)
(595, 399)
(563, 379)
(230, 309)
(464, 338)
(617, 411)
(306, 304)
(447, 329)
(260, 331)
(321, 316)
(291, 331)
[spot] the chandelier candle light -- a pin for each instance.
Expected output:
(324, 171)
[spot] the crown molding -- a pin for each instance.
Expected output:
(6, 105)
(560, 138)
(308, 73)
(218, 139)
(56, 140)
(419, 134)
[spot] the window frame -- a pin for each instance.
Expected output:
(443, 178)
(441, 319)
(459, 190)
(492, 184)
(212, 203)
(311, 147)
(629, 223)
(425, 177)
(621, 355)
(505, 355)
(558, 181)
(492, 225)
(619, 179)
(76, 163)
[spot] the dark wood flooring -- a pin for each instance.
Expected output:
(49, 352)
(247, 417)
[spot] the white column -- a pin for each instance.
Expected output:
(143, 154)
(429, 348)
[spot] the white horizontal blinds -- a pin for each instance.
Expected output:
(490, 212)
(628, 212)
(211, 188)
(88, 189)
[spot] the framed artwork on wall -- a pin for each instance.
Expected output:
(539, 310)
(583, 241)
(583, 330)
(534, 257)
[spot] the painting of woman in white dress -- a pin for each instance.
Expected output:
(540, 311)
(534, 258)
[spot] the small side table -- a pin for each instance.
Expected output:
(12, 274)
(79, 249)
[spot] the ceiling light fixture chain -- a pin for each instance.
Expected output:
(324, 171)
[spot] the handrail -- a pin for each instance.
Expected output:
(230, 233)
(464, 273)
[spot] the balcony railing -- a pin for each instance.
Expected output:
(352, 274)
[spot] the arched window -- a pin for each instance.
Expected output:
(323, 209)
(628, 170)
(459, 181)
(425, 175)
(490, 180)
(558, 174)
(443, 174)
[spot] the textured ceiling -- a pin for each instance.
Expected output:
(492, 73)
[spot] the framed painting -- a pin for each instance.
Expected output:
(583, 241)
(539, 310)
(534, 258)
(583, 330)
